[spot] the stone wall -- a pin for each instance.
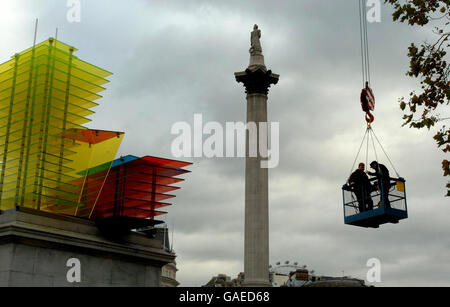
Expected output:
(35, 248)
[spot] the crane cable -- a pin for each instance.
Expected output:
(371, 138)
(367, 97)
(365, 61)
(359, 151)
(365, 56)
(385, 153)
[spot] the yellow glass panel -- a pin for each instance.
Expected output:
(45, 92)
(60, 45)
(400, 186)
(91, 155)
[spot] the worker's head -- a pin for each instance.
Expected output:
(374, 164)
(362, 166)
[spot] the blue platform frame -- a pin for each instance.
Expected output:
(378, 216)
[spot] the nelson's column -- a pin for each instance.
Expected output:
(257, 80)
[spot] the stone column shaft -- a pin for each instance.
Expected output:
(256, 249)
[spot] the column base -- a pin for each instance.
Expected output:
(256, 284)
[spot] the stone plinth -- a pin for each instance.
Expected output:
(35, 248)
(256, 60)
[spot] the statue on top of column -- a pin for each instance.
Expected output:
(256, 48)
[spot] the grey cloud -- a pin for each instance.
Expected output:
(172, 59)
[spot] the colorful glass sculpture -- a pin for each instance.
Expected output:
(49, 161)
(45, 93)
(132, 187)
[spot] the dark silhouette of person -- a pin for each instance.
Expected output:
(362, 188)
(384, 181)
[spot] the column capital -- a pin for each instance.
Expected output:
(257, 81)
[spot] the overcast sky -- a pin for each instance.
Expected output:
(172, 59)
